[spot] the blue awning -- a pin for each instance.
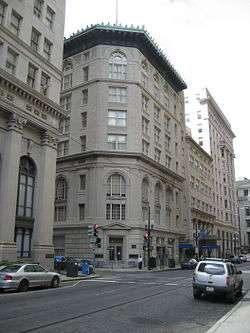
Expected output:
(185, 245)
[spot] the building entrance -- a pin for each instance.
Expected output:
(115, 248)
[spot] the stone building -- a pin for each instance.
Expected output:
(243, 191)
(122, 147)
(212, 131)
(31, 42)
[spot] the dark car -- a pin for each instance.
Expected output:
(235, 259)
(188, 264)
(243, 257)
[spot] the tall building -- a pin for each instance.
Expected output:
(120, 161)
(212, 131)
(31, 45)
(243, 191)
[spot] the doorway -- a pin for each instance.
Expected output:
(115, 248)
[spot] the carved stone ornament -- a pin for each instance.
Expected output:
(16, 122)
(49, 139)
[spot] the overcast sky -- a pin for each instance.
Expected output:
(207, 41)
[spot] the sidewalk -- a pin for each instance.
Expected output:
(235, 321)
(135, 269)
(65, 278)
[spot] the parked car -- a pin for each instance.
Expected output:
(23, 276)
(235, 259)
(190, 264)
(217, 278)
(243, 257)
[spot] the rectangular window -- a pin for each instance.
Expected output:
(11, 61)
(117, 142)
(117, 118)
(64, 125)
(84, 119)
(85, 74)
(63, 148)
(35, 36)
(157, 133)
(38, 7)
(117, 95)
(167, 121)
(168, 161)
(144, 80)
(85, 97)
(2, 11)
(45, 81)
(145, 102)
(115, 211)
(157, 155)
(157, 112)
(47, 49)
(15, 22)
(86, 56)
(65, 102)
(167, 142)
(67, 81)
(82, 182)
(247, 211)
(81, 212)
(83, 143)
(145, 124)
(245, 193)
(50, 15)
(31, 77)
(145, 147)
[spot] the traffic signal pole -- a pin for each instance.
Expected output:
(149, 239)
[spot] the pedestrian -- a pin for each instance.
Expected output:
(140, 262)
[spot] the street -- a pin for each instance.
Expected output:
(116, 302)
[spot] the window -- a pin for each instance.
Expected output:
(82, 182)
(65, 102)
(157, 133)
(176, 148)
(64, 125)
(245, 193)
(201, 143)
(116, 186)
(156, 92)
(11, 61)
(84, 119)
(145, 190)
(157, 155)
(157, 112)
(15, 22)
(247, 211)
(167, 142)
(45, 81)
(61, 200)
(115, 211)
(38, 7)
(85, 74)
(63, 148)
(117, 95)
(85, 97)
(86, 56)
(117, 142)
(144, 80)
(117, 118)
(248, 223)
(35, 36)
(200, 130)
(31, 77)
(2, 11)
(167, 121)
(145, 147)
(50, 17)
(176, 166)
(47, 48)
(145, 102)
(145, 123)
(81, 212)
(26, 184)
(83, 143)
(67, 81)
(168, 161)
(23, 241)
(118, 66)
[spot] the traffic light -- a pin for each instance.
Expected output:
(98, 241)
(96, 229)
(90, 230)
(146, 235)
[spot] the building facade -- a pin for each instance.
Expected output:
(31, 42)
(212, 131)
(243, 192)
(120, 160)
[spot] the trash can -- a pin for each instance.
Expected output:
(72, 268)
(171, 263)
(85, 267)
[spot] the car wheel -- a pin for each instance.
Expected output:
(23, 286)
(196, 294)
(231, 297)
(55, 282)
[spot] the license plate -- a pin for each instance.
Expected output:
(209, 288)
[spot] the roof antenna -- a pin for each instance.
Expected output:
(116, 14)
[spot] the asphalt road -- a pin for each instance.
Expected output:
(117, 302)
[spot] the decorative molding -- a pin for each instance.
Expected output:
(16, 122)
(49, 139)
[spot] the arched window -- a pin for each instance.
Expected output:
(145, 190)
(169, 196)
(157, 193)
(116, 186)
(26, 184)
(118, 66)
(61, 200)
(116, 202)
(157, 212)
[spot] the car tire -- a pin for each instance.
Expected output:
(196, 294)
(55, 282)
(231, 297)
(23, 286)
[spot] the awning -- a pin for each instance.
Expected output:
(185, 245)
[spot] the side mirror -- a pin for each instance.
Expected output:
(239, 272)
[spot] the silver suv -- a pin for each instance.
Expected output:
(216, 276)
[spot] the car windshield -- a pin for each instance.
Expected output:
(11, 268)
(211, 268)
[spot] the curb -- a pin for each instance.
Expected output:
(79, 278)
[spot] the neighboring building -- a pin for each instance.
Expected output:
(243, 190)
(211, 129)
(31, 42)
(201, 229)
(122, 149)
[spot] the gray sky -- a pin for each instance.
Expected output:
(207, 41)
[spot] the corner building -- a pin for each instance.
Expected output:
(121, 152)
(31, 41)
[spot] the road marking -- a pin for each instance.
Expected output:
(171, 284)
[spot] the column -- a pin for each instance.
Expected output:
(43, 249)
(9, 183)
